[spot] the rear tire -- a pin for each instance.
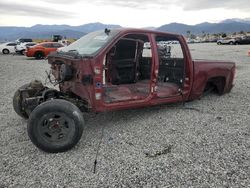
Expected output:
(55, 126)
(39, 55)
(6, 51)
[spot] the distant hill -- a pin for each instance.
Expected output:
(39, 34)
(226, 26)
(46, 31)
(246, 20)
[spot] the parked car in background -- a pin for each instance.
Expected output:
(243, 40)
(21, 47)
(230, 41)
(22, 40)
(41, 50)
(8, 47)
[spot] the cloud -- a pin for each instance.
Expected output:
(140, 4)
(29, 10)
(209, 4)
(63, 1)
(164, 4)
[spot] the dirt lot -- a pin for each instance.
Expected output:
(204, 144)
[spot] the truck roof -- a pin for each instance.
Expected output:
(127, 30)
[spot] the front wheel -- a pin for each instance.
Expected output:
(55, 126)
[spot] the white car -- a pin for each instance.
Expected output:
(8, 47)
(21, 47)
(230, 41)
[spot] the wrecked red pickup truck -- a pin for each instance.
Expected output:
(113, 70)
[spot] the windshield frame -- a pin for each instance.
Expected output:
(100, 33)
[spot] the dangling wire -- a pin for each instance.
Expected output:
(49, 79)
(98, 148)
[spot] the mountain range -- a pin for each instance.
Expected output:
(226, 26)
(46, 31)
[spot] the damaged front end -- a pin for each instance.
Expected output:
(67, 74)
(30, 95)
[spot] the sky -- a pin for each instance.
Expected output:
(127, 13)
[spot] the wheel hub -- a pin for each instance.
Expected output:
(55, 127)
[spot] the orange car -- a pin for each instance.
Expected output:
(41, 50)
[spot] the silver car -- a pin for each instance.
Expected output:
(230, 41)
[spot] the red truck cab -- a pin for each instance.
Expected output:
(113, 70)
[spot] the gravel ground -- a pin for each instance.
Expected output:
(204, 144)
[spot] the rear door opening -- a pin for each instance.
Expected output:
(171, 66)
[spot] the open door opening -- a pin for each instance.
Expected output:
(128, 69)
(171, 66)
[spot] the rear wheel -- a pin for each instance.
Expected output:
(55, 126)
(6, 51)
(231, 43)
(39, 55)
(23, 52)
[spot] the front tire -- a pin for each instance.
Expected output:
(55, 126)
